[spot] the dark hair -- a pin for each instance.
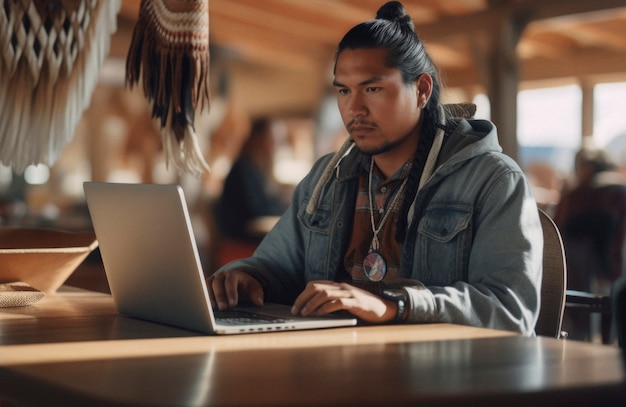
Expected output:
(596, 158)
(259, 129)
(393, 29)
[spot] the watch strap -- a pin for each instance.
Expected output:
(400, 298)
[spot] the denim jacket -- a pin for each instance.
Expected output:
(473, 249)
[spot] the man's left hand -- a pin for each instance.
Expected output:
(325, 297)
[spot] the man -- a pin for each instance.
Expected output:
(418, 218)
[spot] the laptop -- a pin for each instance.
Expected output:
(152, 264)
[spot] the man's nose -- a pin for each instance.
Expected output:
(357, 106)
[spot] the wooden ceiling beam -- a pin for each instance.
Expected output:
(533, 10)
(450, 7)
(338, 16)
(268, 19)
(300, 36)
(267, 47)
(547, 9)
(548, 44)
(599, 36)
(591, 63)
(446, 56)
(595, 64)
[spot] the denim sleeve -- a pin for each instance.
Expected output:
(503, 278)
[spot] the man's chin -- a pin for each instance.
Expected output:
(372, 150)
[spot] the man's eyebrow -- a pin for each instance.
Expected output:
(364, 83)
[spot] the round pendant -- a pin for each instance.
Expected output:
(375, 266)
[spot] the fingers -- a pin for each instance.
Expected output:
(217, 291)
(253, 290)
(225, 289)
(325, 297)
(322, 297)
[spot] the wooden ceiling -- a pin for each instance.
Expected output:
(583, 40)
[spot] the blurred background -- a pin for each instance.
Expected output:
(550, 73)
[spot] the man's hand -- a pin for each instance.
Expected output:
(227, 288)
(324, 297)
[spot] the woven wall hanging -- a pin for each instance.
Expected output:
(169, 54)
(51, 53)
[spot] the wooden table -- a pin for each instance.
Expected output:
(74, 349)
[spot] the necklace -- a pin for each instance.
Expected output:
(374, 264)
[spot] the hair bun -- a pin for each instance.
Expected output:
(394, 11)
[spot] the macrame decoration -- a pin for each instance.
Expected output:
(170, 52)
(51, 53)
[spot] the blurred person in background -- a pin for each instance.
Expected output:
(252, 199)
(591, 216)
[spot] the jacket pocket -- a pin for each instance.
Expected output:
(316, 234)
(443, 245)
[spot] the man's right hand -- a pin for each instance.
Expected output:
(227, 288)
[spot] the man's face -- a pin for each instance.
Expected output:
(379, 110)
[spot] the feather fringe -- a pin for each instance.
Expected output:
(39, 112)
(172, 65)
(186, 152)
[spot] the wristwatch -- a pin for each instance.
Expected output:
(399, 296)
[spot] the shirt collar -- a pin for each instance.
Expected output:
(400, 174)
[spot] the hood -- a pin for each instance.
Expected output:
(464, 138)
(467, 138)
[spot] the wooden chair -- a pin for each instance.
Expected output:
(554, 295)
(554, 281)
(592, 238)
(618, 303)
(591, 303)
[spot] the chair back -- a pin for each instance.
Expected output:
(618, 304)
(554, 280)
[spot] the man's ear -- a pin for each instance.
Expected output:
(424, 89)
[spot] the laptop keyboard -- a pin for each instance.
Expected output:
(240, 317)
